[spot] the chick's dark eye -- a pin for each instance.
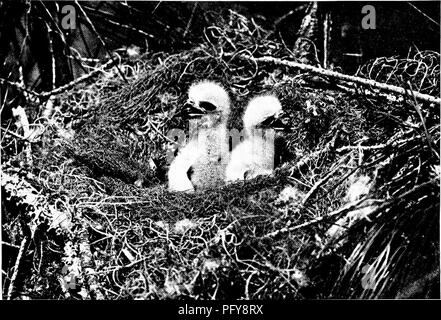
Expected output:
(190, 173)
(207, 106)
(188, 105)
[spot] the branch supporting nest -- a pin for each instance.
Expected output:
(343, 77)
(18, 86)
(63, 88)
(76, 81)
(88, 265)
(23, 246)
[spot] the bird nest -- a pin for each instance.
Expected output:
(352, 212)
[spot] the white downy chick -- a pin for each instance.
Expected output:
(201, 163)
(255, 155)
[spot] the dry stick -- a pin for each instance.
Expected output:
(61, 89)
(307, 197)
(317, 153)
(15, 135)
(354, 205)
(343, 77)
(53, 67)
(422, 13)
(18, 86)
(313, 221)
(60, 33)
(20, 114)
(76, 81)
(88, 264)
(99, 37)
(391, 143)
(423, 122)
(187, 28)
(326, 40)
(23, 245)
(368, 94)
(108, 17)
(285, 16)
(159, 132)
(317, 185)
(51, 51)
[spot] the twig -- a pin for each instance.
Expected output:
(10, 245)
(313, 221)
(187, 28)
(51, 51)
(159, 132)
(15, 135)
(354, 205)
(423, 122)
(88, 263)
(341, 76)
(326, 39)
(313, 155)
(108, 17)
(76, 81)
(317, 185)
(425, 15)
(18, 86)
(392, 143)
(23, 245)
(22, 122)
(99, 37)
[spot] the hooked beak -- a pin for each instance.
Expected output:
(277, 123)
(192, 110)
(196, 110)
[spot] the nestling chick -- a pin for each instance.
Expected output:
(255, 155)
(201, 163)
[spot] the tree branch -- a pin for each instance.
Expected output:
(342, 77)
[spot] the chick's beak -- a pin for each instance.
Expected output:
(192, 110)
(277, 124)
(280, 122)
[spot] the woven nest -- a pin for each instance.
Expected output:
(104, 225)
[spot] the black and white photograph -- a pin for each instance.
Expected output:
(227, 151)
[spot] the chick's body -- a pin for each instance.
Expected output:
(255, 155)
(208, 171)
(251, 158)
(201, 163)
